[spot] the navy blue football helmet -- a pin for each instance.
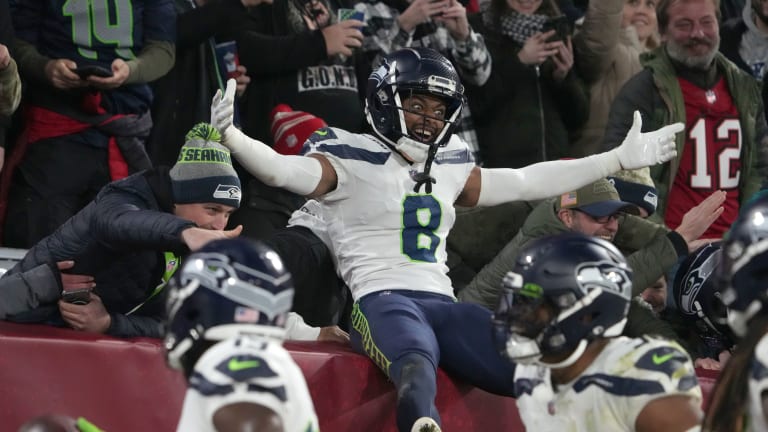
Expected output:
(697, 296)
(228, 287)
(404, 73)
(744, 270)
(585, 284)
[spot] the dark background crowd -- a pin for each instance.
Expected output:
(106, 92)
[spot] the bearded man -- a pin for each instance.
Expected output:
(686, 79)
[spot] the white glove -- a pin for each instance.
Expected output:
(640, 150)
(223, 107)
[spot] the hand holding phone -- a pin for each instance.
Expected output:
(346, 14)
(560, 25)
(92, 70)
(78, 297)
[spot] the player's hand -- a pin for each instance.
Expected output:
(333, 334)
(72, 282)
(650, 148)
(120, 72)
(92, 317)
(223, 108)
(195, 237)
(59, 73)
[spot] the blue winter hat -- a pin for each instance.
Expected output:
(203, 173)
(639, 194)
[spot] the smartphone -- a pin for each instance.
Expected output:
(439, 14)
(345, 14)
(92, 70)
(560, 25)
(78, 297)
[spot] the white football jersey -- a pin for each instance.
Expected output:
(385, 235)
(611, 392)
(758, 383)
(252, 370)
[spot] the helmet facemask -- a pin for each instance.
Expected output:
(744, 267)
(563, 293)
(227, 289)
(404, 74)
(534, 323)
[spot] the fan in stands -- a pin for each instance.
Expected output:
(290, 129)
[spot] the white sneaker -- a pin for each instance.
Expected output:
(425, 424)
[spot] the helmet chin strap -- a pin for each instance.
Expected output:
(423, 178)
(571, 359)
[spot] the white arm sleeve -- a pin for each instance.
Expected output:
(298, 174)
(543, 179)
(297, 329)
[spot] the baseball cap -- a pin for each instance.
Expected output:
(597, 199)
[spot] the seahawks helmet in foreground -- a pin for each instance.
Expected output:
(563, 292)
(228, 287)
(699, 300)
(744, 270)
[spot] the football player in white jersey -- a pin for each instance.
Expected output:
(388, 200)
(740, 399)
(559, 318)
(227, 308)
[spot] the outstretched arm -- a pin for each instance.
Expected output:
(488, 187)
(309, 176)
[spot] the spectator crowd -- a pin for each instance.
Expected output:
(115, 166)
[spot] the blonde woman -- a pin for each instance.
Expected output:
(607, 50)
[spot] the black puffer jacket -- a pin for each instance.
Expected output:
(119, 238)
(523, 117)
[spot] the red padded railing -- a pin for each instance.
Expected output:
(124, 385)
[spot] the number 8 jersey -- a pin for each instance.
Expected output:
(385, 235)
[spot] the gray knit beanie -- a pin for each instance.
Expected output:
(203, 172)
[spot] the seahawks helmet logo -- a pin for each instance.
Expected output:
(227, 192)
(606, 275)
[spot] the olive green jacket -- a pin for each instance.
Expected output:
(655, 92)
(654, 250)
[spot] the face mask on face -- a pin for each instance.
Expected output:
(413, 149)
